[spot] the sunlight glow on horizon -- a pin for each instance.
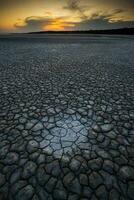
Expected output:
(56, 15)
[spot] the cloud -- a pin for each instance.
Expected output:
(33, 23)
(74, 5)
(36, 23)
(112, 16)
(99, 21)
(79, 14)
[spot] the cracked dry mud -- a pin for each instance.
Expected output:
(66, 118)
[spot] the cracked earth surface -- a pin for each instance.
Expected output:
(66, 118)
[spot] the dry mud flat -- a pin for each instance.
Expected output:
(66, 118)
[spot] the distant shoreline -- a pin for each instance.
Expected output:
(122, 31)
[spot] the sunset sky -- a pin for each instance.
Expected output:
(37, 15)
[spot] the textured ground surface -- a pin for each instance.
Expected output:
(66, 118)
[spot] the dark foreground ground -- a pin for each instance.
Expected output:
(66, 118)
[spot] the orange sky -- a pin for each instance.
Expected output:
(35, 15)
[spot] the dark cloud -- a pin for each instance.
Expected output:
(114, 17)
(35, 23)
(102, 22)
(97, 21)
(110, 15)
(74, 5)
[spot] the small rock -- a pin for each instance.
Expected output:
(38, 127)
(108, 166)
(75, 164)
(42, 177)
(29, 169)
(114, 195)
(2, 179)
(70, 111)
(25, 133)
(87, 192)
(32, 146)
(68, 179)
(126, 173)
(29, 125)
(44, 143)
(103, 154)
(11, 158)
(22, 120)
(42, 194)
(91, 102)
(95, 164)
(16, 187)
(60, 194)
(41, 159)
(102, 193)
(35, 197)
(34, 156)
(56, 170)
(51, 111)
(75, 186)
(3, 151)
(96, 128)
(25, 193)
(83, 179)
(131, 190)
(15, 176)
(95, 180)
(51, 184)
(106, 127)
(82, 111)
(73, 197)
